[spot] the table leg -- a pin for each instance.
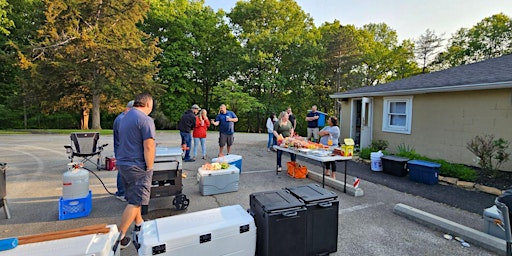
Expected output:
(323, 174)
(345, 184)
(277, 152)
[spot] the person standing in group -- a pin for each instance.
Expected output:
(312, 119)
(292, 119)
(135, 159)
(226, 121)
(199, 132)
(284, 128)
(329, 136)
(117, 121)
(270, 128)
(186, 125)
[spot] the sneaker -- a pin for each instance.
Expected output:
(135, 236)
(125, 242)
(121, 198)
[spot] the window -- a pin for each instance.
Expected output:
(397, 115)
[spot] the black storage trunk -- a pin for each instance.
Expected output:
(280, 220)
(394, 165)
(322, 218)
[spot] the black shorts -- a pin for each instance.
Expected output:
(226, 139)
(137, 184)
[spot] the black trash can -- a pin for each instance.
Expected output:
(280, 220)
(322, 218)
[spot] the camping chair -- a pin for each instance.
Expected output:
(504, 214)
(85, 145)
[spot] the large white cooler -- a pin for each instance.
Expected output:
(168, 158)
(227, 230)
(94, 244)
(218, 181)
(491, 215)
(235, 160)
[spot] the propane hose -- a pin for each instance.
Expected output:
(106, 189)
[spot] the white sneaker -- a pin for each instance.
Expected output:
(121, 198)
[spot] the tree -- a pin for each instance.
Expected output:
(92, 51)
(427, 46)
(199, 51)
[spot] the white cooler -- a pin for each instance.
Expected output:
(167, 159)
(227, 230)
(490, 215)
(218, 181)
(235, 160)
(95, 244)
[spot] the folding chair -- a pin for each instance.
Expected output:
(504, 212)
(85, 145)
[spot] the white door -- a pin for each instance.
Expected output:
(366, 122)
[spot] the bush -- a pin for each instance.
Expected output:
(489, 152)
(379, 145)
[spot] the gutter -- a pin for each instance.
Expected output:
(455, 88)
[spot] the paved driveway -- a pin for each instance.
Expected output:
(367, 224)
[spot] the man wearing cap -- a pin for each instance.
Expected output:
(117, 121)
(186, 125)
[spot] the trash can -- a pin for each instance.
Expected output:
(280, 221)
(321, 217)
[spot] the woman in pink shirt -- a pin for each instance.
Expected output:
(199, 132)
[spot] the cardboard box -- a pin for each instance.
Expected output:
(347, 148)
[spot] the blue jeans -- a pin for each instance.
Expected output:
(198, 141)
(186, 138)
(120, 187)
(271, 140)
(279, 155)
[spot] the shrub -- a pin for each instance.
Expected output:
(365, 153)
(379, 145)
(490, 153)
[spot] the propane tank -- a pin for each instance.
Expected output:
(75, 182)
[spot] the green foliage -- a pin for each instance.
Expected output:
(379, 145)
(365, 153)
(490, 152)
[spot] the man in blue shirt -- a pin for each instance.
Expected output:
(135, 160)
(312, 119)
(226, 121)
(117, 121)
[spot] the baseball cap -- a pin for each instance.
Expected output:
(195, 106)
(130, 104)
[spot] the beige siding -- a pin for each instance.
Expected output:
(443, 123)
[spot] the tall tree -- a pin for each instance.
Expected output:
(427, 46)
(92, 51)
(199, 51)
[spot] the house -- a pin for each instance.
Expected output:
(437, 114)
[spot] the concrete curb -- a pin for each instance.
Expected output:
(469, 235)
(338, 185)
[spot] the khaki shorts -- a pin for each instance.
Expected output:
(226, 139)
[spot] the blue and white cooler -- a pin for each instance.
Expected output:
(235, 160)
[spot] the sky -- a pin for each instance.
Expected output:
(409, 18)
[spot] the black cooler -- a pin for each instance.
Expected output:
(322, 218)
(280, 220)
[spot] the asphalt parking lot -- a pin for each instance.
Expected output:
(367, 224)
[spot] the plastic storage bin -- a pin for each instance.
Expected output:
(218, 181)
(75, 207)
(227, 230)
(281, 221)
(394, 165)
(235, 160)
(490, 215)
(322, 218)
(423, 171)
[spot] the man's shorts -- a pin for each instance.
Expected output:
(226, 139)
(137, 184)
(313, 132)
